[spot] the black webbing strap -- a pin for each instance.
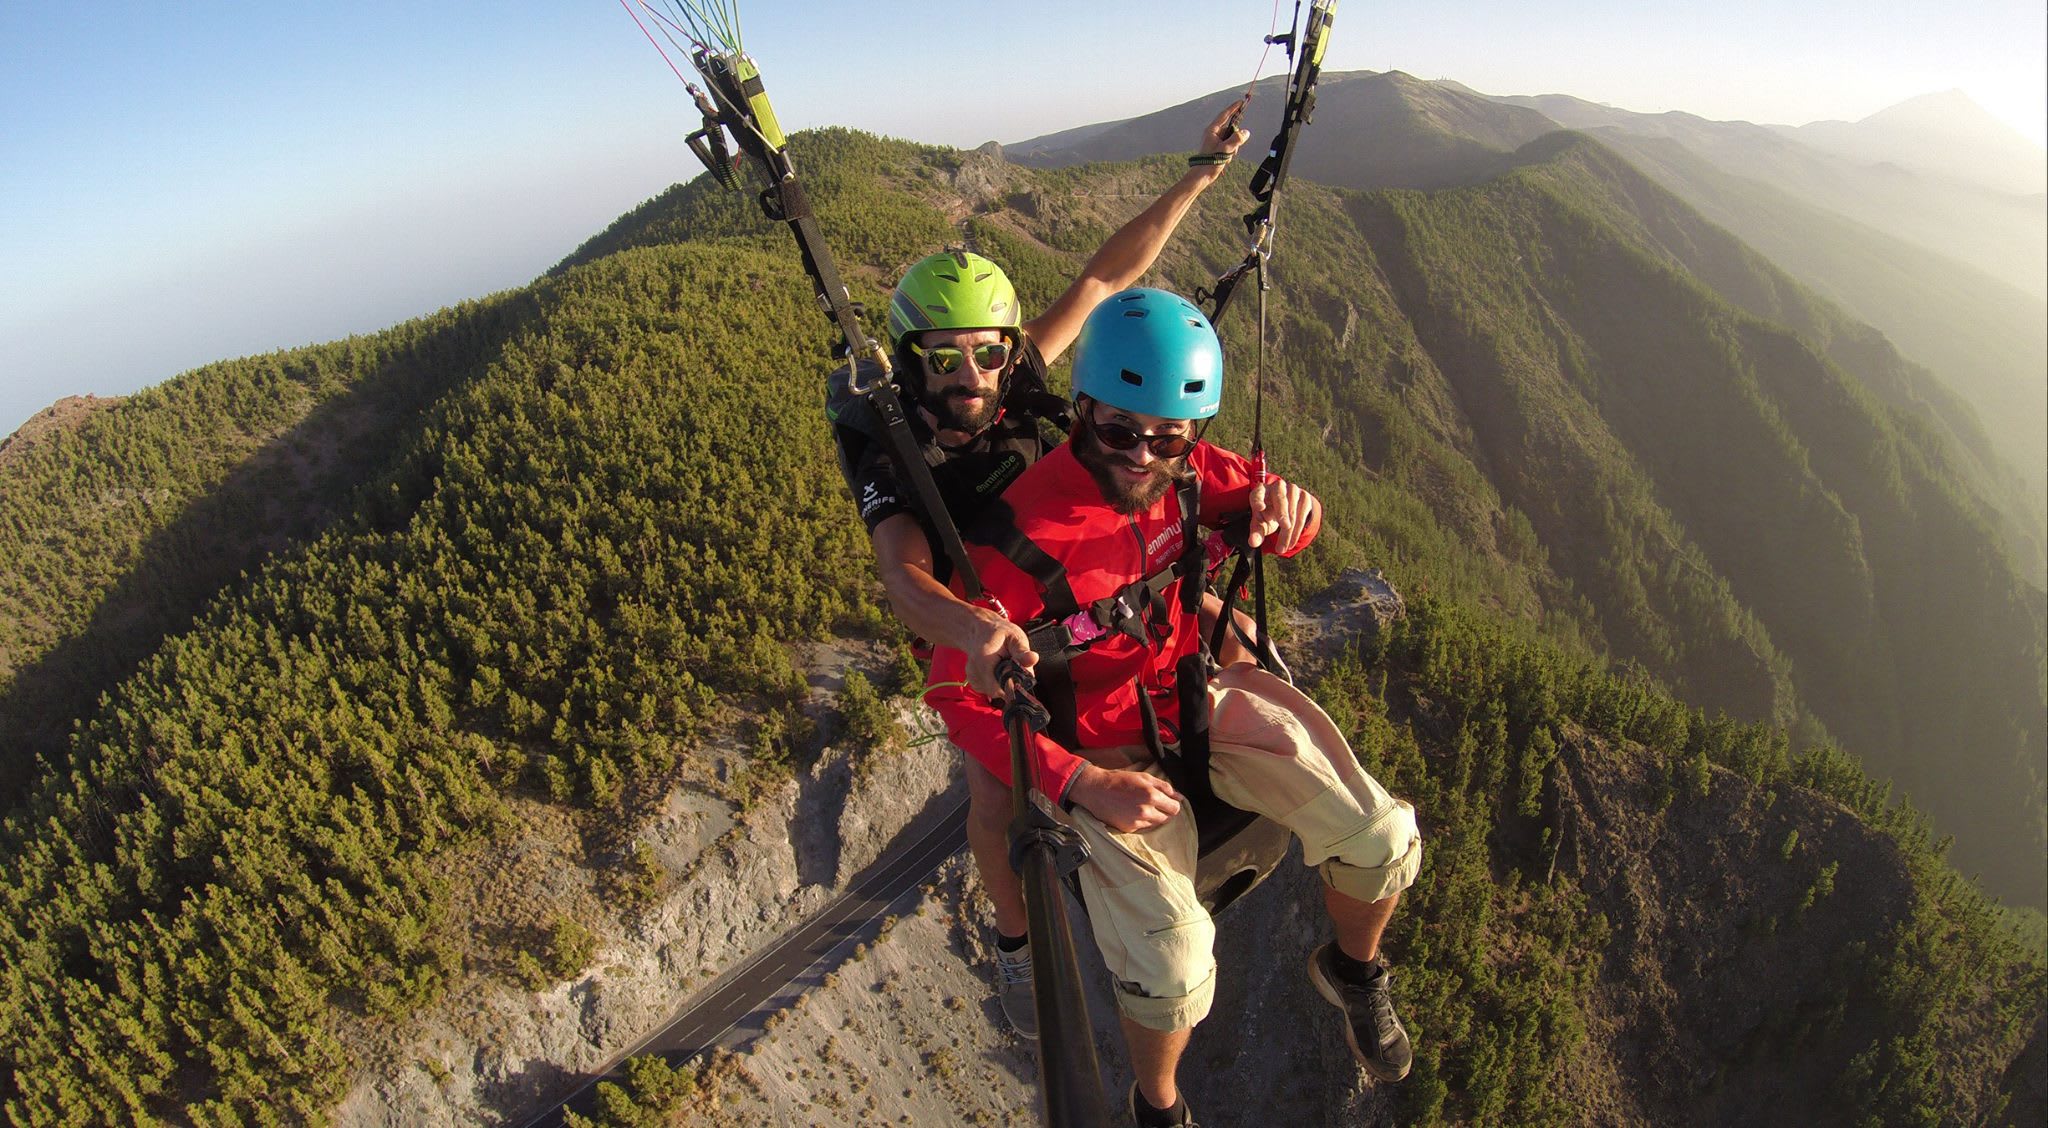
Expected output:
(1300, 108)
(997, 528)
(1307, 53)
(1194, 551)
(785, 202)
(909, 459)
(1188, 768)
(1227, 620)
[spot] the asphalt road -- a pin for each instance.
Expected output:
(732, 1008)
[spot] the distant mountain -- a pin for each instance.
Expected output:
(2002, 233)
(1945, 134)
(1582, 363)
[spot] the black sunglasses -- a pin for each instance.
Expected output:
(947, 359)
(1118, 437)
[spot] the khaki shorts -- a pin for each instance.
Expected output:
(1272, 751)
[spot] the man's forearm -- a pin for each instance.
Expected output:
(931, 610)
(1129, 253)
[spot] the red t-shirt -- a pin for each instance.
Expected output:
(1059, 507)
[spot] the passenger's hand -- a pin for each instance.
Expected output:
(992, 639)
(1226, 134)
(1281, 513)
(1126, 801)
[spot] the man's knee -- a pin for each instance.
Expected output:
(1168, 980)
(1378, 858)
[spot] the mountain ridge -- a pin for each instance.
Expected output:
(1994, 230)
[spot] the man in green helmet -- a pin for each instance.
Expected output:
(971, 370)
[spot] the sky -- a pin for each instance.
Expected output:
(182, 183)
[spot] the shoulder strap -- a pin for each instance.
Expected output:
(1193, 549)
(910, 462)
(1189, 770)
(1050, 639)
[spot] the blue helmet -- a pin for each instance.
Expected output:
(1150, 352)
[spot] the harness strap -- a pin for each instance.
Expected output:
(1049, 635)
(1189, 769)
(1194, 553)
(903, 450)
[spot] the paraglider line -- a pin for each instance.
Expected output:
(1271, 31)
(671, 36)
(667, 25)
(650, 38)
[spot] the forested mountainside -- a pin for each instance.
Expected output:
(1839, 521)
(1951, 270)
(1986, 340)
(290, 641)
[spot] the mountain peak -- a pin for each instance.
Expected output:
(1950, 112)
(1946, 132)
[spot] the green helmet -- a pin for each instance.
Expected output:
(953, 289)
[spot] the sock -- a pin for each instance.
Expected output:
(1011, 943)
(1358, 973)
(1150, 1117)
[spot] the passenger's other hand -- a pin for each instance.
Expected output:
(1281, 513)
(1123, 800)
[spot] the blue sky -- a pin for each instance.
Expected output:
(187, 182)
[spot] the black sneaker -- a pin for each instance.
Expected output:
(1187, 1115)
(1371, 1026)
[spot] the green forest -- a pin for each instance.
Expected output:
(285, 639)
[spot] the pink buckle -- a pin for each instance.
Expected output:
(1082, 628)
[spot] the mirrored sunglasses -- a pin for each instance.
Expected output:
(947, 359)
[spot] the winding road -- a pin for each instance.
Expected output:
(733, 1008)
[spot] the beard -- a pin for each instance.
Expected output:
(948, 409)
(1125, 494)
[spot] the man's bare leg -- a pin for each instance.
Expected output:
(1155, 1055)
(1349, 976)
(988, 836)
(1359, 923)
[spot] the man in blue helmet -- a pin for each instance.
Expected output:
(1097, 523)
(972, 368)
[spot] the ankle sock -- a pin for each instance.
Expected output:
(1011, 943)
(1358, 973)
(1149, 1117)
